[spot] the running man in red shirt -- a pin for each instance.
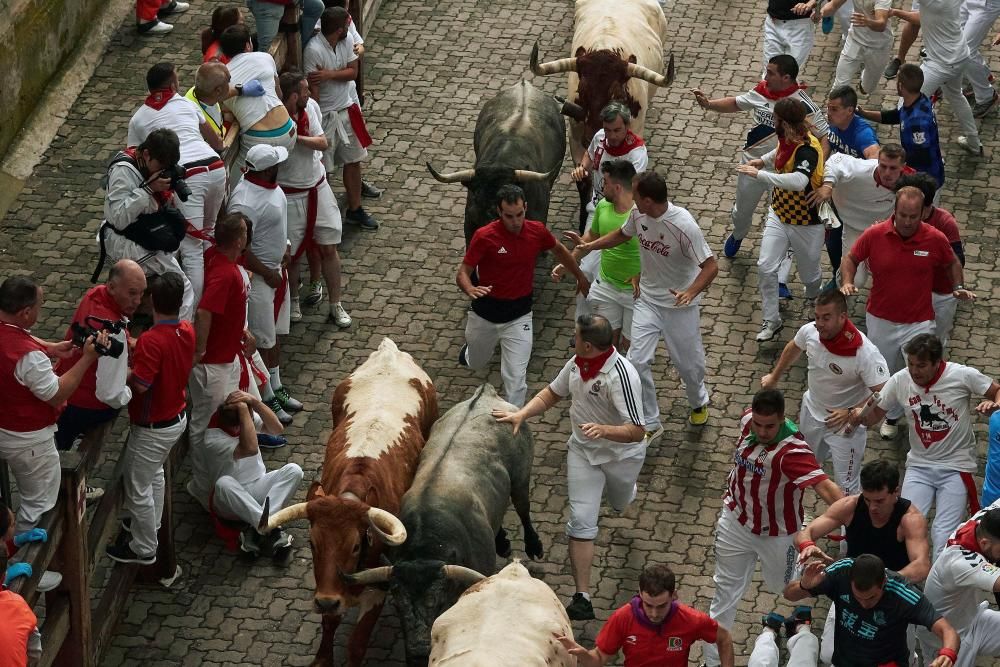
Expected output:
(161, 366)
(654, 629)
(503, 254)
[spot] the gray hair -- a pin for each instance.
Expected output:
(616, 110)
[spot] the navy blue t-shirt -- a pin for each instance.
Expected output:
(918, 134)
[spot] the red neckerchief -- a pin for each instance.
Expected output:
(160, 197)
(215, 422)
(630, 142)
(591, 366)
(302, 123)
(764, 92)
(937, 376)
(846, 343)
(878, 181)
(158, 98)
(965, 536)
(259, 180)
(786, 149)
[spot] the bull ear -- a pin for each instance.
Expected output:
(315, 490)
(580, 52)
(632, 59)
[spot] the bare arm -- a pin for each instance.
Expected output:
(837, 515)
(724, 642)
(567, 260)
(949, 640)
(813, 574)
(318, 143)
(914, 526)
(202, 325)
(464, 281)
(720, 105)
(871, 153)
(611, 240)
(909, 17)
(709, 269)
(210, 137)
(789, 356)
(71, 380)
(541, 402)
(829, 491)
(881, 21)
(592, 658)
(848, 269)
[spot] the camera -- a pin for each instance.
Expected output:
(176, 175)
(81, 332)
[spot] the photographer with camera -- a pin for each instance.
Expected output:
(103, 390)
(141, 221)
(33, 394)
(204, 170)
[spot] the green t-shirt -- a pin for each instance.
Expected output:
(620, 263)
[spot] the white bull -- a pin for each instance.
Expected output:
(617, 55)
(507, 619)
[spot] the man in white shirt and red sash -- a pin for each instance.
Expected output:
(33, 394)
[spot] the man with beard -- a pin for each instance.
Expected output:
(844, 369)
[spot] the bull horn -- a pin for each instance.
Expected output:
(646, 74)
(554, 67)
(567, 108)
(454, 177)
(281, 517)
(390, 529)
(525, 176)
(376, 575)
(463, 575)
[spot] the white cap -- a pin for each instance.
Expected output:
(262, 157)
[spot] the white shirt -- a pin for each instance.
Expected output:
(940, 424)
(761, 138)
(304, 166)
(836, 381)
(867, 36)
(637, 155)
(267, 209)
(112, 376)
(613, 397)
(34, 371)
(958, 581)
(245, 67)
(941, 29)
(180, 115)
(671, 250)
(859, 199)
(333, 95)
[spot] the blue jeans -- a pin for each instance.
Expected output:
(268, 15)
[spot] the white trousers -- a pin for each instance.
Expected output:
(943, 489)
(889, 338)
(869, 61)
(861, 274)
(245, 502)
(846, 451)
(796, 38)
(591, 267)
(977, 18)
(610, 302)
(748, 194)
(981, 638)
(803, 649)
(945, 307)
(737, 551)
(37, 472)
(208, 387)
(806, 242)
(949, 79)
(586, 484)
(680, 329)
(515, 339)
(208, 189)
(142, 480)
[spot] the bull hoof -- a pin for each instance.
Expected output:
(533, 547)
(503, 547)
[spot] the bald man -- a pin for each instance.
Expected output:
(103, 390)
(211, 86)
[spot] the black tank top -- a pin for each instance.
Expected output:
(864, 538)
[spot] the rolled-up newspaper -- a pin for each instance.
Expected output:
(865, 410)
(828, 215)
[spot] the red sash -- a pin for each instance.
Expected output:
(312, 208)
(358, 125)
(279, 294)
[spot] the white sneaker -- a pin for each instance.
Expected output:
(964, 142)
(295, 311)
(93, 493)
(159, 28)
(340, 316)
(769, 330)
(888, 431)
(653, 435)
(49, 581)
(181, 7)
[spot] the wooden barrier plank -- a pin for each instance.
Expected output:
(110, 607)
(57, 622)
(73, 557)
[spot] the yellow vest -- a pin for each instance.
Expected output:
(790, 206)
(213, 113)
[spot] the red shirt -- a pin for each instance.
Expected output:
(162, 363)
(214, 52)
(97, 303)
(645, 647)
(18, 624)
(506, 261)
(902, 270)
(944, 222)
(225, 296)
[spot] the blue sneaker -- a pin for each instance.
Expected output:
(732, 246)
(774, 621)
(784, 292)
(266, 441)
(827, 25)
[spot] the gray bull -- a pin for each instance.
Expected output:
(469, 470)
(520, 138)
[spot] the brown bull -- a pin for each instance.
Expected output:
(382, 415)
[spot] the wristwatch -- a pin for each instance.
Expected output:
(239, 90)
(958, 287)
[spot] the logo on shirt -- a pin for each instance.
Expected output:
(932, 420)
(845, 598)
(595, 388)
(675, 644)
(632, 640)
(988, 568)
(836, 369)
(920, 253)
(804, 165)
(880, 370)
(659, 247)
(919, 138)
(502, 251)
(644, 228)
(879, 617)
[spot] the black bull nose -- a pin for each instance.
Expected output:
(327, 605)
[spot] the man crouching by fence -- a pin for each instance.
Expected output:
(161, 365)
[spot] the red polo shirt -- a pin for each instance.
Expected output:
(506, 261)
(225, 296)
(944, 222)
(162, 363)
(668, 646)
(902, 270)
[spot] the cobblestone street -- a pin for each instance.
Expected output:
(430, 65)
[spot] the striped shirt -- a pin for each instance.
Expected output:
(613, 397)
(761, 138)
(767, 482)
